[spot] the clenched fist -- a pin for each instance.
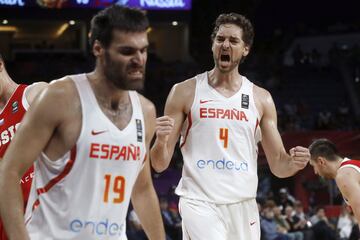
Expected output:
(300, 157)
(164, 126)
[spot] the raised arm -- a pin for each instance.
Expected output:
(281, 164)
(144, 198)
(36, 129)
(348, 181)
(168, 127)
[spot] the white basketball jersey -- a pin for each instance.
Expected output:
(85, 194)
(219, 145)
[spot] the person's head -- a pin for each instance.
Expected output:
(232, 38)
(118, 38)
(298, 207)
(268, 209)
(324, 157)
(320, 212)
(283, 193)
(289, 211)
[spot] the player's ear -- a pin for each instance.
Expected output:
(246, 50)
(97, 48)
(321, 160)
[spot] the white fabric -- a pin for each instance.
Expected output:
(204, 220)
(212, 171)
(107, 160)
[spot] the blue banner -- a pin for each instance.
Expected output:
(143, 4)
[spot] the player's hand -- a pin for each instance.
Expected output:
(300, 157)
(164, 126)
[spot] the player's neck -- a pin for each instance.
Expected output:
(229, 80)
(7, 88)
(106, 92)
(337, 165)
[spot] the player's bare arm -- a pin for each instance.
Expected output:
(144, 191)
(168, 127)
(44, 120)
(348, 181)
(281, 164)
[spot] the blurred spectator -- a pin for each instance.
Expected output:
(301, 222)
(345, 224)
(284, 226)
(135, 230)
(172, 225)
(269, 229)
(323, 229)
(285, 199)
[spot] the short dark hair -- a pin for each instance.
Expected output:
(240, 21)
(1, 58)
(116, 17)
(323, 148)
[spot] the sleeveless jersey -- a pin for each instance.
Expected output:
(10, 118)
(85, 194)
(219, 145)
(354, 164)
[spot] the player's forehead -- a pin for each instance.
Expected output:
(229, 30)
(130, 39)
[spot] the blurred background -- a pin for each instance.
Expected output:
(306, 53)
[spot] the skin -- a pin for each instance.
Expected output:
(225, 79)
(347, 179)
(58, 128)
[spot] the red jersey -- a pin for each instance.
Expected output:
(355, 164)
(10, 118)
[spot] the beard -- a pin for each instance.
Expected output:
(116, 73)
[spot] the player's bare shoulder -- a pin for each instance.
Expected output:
(262, 98)
(182, 94)
(148, 107)
(345, 174)
(62, 95)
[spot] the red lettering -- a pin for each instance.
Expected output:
(227, 114)
(243, 116)
(211, 113)
(203, 112)
(94, 147)
(220, 113)
(114, 150)
(105, 151)
(122, 153)
(132, 152)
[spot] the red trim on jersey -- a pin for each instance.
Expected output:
(56, 179)
(187, 130)
(351, 162)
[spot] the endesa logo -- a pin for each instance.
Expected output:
(101, 228)
(223, 164)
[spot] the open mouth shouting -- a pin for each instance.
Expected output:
(225, 60)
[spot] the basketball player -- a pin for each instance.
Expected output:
(221, 117)
(327, 163)
(91, 134)
(14, 102)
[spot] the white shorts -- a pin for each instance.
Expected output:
(208, 221)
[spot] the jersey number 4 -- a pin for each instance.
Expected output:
(116, 185)
(224, 136)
